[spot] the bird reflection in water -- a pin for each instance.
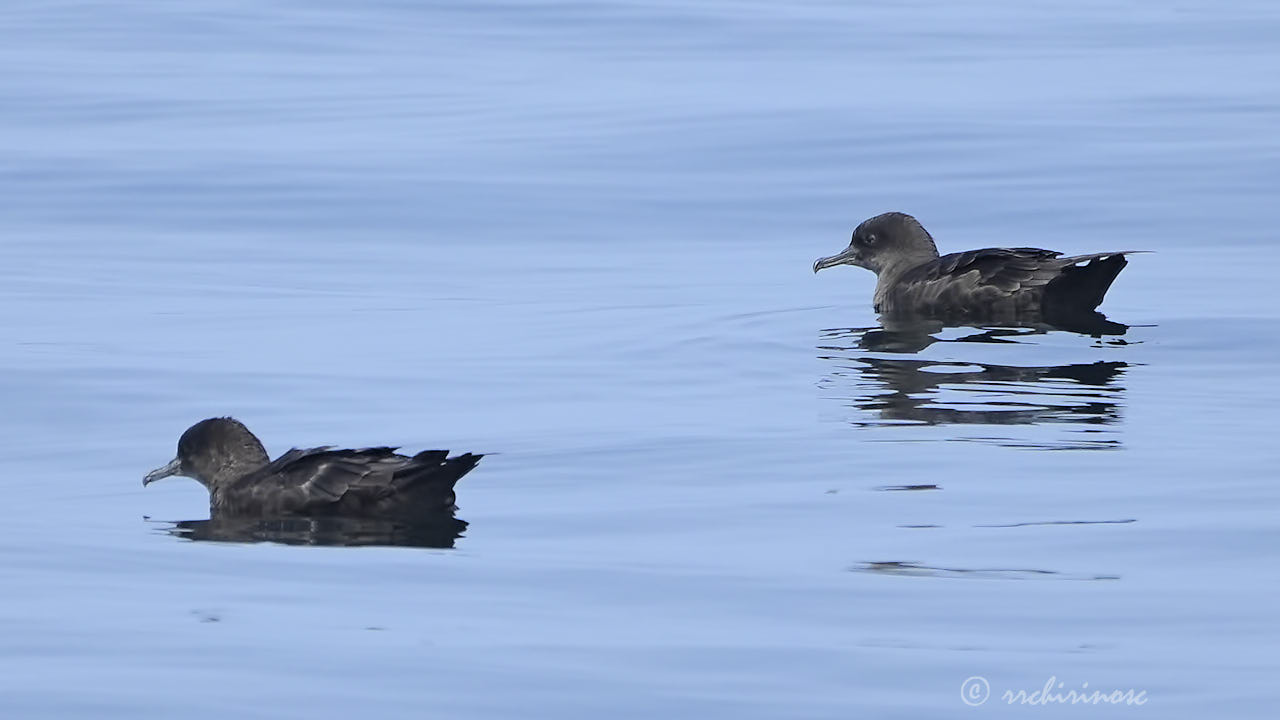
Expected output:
(911, 334)
(432, 531)
(902, 391)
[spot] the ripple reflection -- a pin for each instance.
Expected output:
(434, 532)
(1086, 398)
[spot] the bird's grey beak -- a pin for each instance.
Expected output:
(173, 468)
(848, 257)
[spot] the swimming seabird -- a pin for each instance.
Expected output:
(975, 285)
(376, 482)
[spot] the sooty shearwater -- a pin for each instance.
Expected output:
(242, 480)
(975, 285)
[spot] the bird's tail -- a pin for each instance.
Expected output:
(428, 478)
(1084, 282)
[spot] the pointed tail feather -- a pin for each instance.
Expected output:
(1081, 287)
(456, 467)
(426, 482)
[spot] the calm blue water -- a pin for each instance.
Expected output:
(579, 236)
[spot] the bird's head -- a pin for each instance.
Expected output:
(884, 241)
(210, 450)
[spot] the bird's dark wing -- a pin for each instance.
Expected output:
(1004, 270)
(1006, 281)
(1003, 284)
(368, 481)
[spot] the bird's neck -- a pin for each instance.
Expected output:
(233, 466)
(888, 275)
(220, 485)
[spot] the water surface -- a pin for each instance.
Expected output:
(579, 237)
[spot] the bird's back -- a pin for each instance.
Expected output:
(1001, 284)
(369, 482)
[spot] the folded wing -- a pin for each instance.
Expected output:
(1003, 280)
(368, 482)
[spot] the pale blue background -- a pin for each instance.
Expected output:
(579, 235)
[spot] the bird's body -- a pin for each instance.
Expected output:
(988, 285)
(370, 482)
(377, 482)
(1014, 282)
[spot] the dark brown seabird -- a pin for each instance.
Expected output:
(993, 284)
(377, 482)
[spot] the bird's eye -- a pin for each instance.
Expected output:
(870, 239)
